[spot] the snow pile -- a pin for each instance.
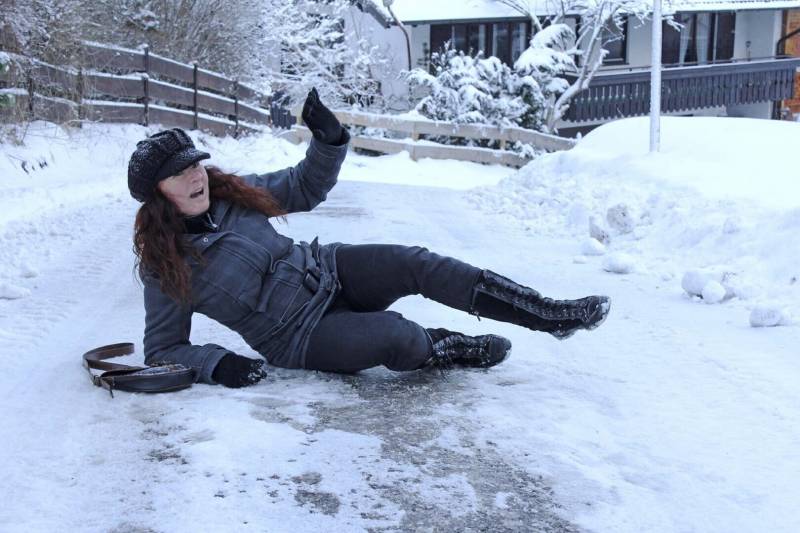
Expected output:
(718, 208)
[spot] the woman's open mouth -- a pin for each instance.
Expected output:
(196, 193)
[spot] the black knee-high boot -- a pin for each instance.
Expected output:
(500, 298)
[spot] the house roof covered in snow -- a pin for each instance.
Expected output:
(441, 11)
(730, 5)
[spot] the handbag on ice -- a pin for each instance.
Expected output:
(163, 378)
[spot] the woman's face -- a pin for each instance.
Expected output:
(188, 190)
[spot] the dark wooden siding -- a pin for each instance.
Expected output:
(627, 94)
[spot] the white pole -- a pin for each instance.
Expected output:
(655, 80)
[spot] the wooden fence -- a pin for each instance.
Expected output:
(130, 86)
(418, 150)
(122, 85)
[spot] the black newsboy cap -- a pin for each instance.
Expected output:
(158, 157)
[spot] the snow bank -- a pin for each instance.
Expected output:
(720, 202)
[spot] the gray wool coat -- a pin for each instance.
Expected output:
(257, 282)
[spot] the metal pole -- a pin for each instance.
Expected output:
(655, 80)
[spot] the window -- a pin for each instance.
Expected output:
(440, 34)
(500, 42)
(519, 40)
(724, 28)
(505, 40)
(704, 37)
(477, 37)
(460, 37)
(615, 40)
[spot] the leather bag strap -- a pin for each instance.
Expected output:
(162, 378)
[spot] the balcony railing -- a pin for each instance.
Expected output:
(616, 94)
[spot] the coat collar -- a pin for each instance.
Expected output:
(219, 208)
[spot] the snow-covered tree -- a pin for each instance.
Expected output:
(292, 44)
(556, 50)
(222, 35)
(46, 29)
(320, 43)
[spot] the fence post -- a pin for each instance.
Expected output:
(146, 85)
(79, 97)
(236, 107)
(29, 75)
(194, 87)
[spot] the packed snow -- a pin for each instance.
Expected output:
(673, 416)
(720, 201)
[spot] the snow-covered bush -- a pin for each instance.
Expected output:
(466, 89)
(5, 62)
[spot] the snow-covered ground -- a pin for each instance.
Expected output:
(674, 416)
(720, 203)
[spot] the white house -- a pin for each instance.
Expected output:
(728, 59)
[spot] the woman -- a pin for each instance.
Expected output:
(204, 243)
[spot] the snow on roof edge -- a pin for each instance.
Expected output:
(428, 12)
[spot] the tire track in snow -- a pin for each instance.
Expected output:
(89, 445)
(71, 266)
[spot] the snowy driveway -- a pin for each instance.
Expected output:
(673, 416)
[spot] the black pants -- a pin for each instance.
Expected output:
(357, 331)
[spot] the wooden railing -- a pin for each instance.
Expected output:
(415, 128)
(621, 94)
(121, 85)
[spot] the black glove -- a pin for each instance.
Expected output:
(320, 120)
(238, 371)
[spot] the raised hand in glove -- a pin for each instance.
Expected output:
(320, 120)
(237, 371)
